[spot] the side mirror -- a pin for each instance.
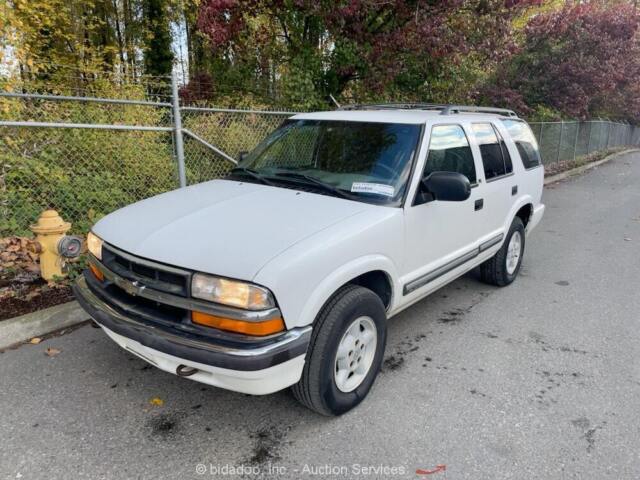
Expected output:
(242, 155)
(447, 186)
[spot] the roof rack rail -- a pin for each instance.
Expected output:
(445, 109)
(471, 109)
(393, 106)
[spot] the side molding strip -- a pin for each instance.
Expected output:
(490, 243)
(447, 267)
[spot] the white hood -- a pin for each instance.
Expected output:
(224, 227)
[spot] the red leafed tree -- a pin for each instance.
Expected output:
(323, 47)
(582, 61)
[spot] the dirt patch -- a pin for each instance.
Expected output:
(552, 381)
(393, 363)
(559, 167)
(589, 432)
(474, 391)
(267, 444)
(44, 297)
(453, 315)
(408, 345)
(163, 425)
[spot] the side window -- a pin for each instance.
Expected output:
(525, 142)
(508, 165)
(449, 151)
(491, 148)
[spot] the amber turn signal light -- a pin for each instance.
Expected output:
(96, 272)
(259, 329)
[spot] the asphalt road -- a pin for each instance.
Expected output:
(537, 380)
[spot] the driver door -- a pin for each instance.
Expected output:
(442, 236)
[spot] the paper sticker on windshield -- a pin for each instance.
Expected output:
(375, 188)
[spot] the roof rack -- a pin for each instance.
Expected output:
(444, 109)
(471, 109)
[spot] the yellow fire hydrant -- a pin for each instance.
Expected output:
(49, 229)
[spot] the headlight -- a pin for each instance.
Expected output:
(231, 292)
(94, 245)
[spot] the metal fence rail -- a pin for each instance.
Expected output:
(87, 156)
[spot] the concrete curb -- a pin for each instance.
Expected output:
(35, 324)
(584, 168)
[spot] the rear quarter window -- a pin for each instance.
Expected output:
(525, 142)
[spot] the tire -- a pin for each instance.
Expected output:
(496, 270)
(351, 307)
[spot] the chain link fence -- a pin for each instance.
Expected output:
(566, 141)
(87, 156)
(228, 130)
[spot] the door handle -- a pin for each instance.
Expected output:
(478, 205)
(514, 189)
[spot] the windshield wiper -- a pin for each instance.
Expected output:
(318, 183)
(251, 173)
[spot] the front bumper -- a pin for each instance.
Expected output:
(258, 367)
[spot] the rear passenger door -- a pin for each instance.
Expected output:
(499, 188)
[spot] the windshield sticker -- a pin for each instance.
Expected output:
(375, 188)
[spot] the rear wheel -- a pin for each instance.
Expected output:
(503, 267)
(345, 352)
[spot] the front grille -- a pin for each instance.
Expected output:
(143, 307)
(158, 277)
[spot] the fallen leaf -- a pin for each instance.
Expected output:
(35, 340)
(51, 352)
(157, 401)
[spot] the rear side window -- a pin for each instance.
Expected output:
(495, 157)
(508, 165)
(449, 151)
(525, 142)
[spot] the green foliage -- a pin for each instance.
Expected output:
(299, 91)
(158, 57)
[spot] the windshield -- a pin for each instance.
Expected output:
(363, 161)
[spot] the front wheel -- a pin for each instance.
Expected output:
(503, 267)
(345, 352)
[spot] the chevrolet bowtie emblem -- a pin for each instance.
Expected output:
(134, 288)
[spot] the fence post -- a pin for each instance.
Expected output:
(560, 143)
(177, 130)
(575, 143)
(590, 136)
(540, 136)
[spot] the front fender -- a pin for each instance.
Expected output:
(343, 275)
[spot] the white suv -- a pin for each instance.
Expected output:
(285, 272)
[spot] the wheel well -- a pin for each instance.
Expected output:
(525, 213)
(378, 282)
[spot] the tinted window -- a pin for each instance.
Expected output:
(491, 151)
(525, 142)
(449, 151)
